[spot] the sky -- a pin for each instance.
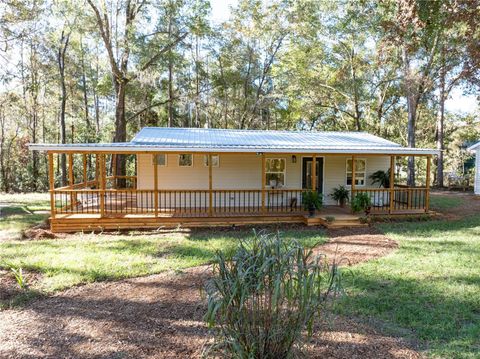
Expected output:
(457, 103)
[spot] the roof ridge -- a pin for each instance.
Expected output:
(251, 130)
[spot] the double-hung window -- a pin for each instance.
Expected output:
(360, 172)
(275, 172)
(185, 160)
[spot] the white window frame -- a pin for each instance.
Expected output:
(154, 159)
(284, 170)
(364, 172)
(183, 154)
(205, 160)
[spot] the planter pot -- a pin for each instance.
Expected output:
(311, 211)
(367, 210)
(342, 203)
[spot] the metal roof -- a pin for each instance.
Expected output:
(474, 147)
(166, 139)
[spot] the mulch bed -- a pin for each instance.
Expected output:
(161, 316)
(348, 246)
(9, 287)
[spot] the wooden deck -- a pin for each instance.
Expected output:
(77, 222)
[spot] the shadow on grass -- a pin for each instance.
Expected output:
(431, 284)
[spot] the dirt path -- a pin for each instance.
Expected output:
(160, 316)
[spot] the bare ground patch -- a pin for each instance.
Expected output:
(350, 246)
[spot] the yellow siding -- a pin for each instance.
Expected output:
(243, 171)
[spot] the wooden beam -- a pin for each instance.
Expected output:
(102, 184)
(155, 182)
(427, 184)
(210, 186)
(392, 183)
(51, 180)
(71, 180)
(314, 172)
(263, 182)
(85, 179)
(353, 176)
(114, 169)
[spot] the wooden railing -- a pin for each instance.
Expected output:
(398, 199)
(179, 202)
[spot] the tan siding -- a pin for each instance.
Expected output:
(243, 171)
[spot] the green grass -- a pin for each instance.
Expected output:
(431, 285)
(17, 212)
(85, 258)
(445, 202)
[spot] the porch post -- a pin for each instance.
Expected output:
(85, 179)
(71, 181)
(102, 184)
(97, 170)
(51, 180)
(263, 182)
(210, 186)
(427, 191)
(314, 172)
(392, 182)
(155, 182)
(114, 170)
(353, 177)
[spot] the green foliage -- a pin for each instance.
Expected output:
(330, 219)
(381, 177)
(17, 272)
(361, 202)
(312, 200)
(263, 297)
(340, 193)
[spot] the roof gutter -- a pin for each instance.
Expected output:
(128, 148)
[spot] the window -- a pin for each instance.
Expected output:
(215, 160)
(185, 160)
(160, 160)
(360, 172)
(275, 172)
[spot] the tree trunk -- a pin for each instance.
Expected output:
(63, 101)
(412, 103)
(170, 79)
(440, 124)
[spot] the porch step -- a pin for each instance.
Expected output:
(340, 221)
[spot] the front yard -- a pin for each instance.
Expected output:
(427, 290)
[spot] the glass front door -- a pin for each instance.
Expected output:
(307, 173)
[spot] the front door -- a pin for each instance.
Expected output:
(307, 173)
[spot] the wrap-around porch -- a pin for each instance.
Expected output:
(96, 198)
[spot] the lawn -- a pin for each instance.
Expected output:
(429, 286)
(427, 290)
(19, 211)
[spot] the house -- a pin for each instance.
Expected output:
(195, 177)
(476, 150)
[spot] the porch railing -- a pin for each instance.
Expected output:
(398, 199)
(178, 202)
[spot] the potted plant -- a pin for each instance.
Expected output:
(361, 202)
(381, 177)
(312, 201)
(341, 195)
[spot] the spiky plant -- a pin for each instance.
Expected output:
(263, 298)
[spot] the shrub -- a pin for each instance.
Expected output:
(361, 202)
(340, 194)
(330, 219)
(312, 200)
(263, 297)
